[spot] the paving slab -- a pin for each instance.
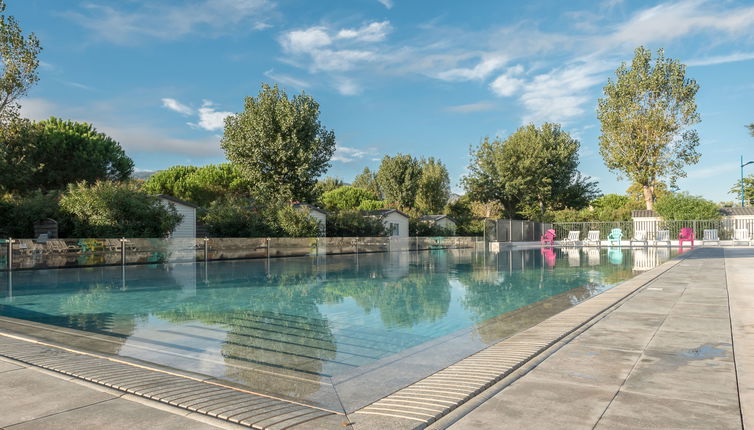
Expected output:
(663, 359)
(27, 395)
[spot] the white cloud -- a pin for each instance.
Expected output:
(387, 3)
(506, 84)
(170, 22)
(209, 118)
(670, 21)
(287, 80)
(346, 154)
(38, 109)
(472, 107)
(340, 60)
(372, 32)
(347, 87)
(721, 59)
(177, 106)
(305, 41)
(482, 70)
(560, 94)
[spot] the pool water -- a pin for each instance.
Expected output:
(297, 327)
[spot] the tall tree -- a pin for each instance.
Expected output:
(367, 180)
(533, 166)
(646, 116)
(199, 185)
(434, 186)
(20, 62)
(751, 128)
(324, 185)
(748, 186)
(279, 144)
(34, 151)
(398, 179)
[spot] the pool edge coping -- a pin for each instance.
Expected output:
(420, 415)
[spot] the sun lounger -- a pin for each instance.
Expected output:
(741, 235)
(710, 236)
(663, 236)
(686, 235)
(615, 235)
(640, 236)
(592, 238)
(573, 238)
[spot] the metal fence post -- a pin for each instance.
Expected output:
(356, 244)
(10, 254)
(268, 247)
(206, 249)
(122, 251)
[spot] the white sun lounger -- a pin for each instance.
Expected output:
(573, 237)
(710, 236)
(592, 238)
(640, 236)
(741, 235)
(663, 236)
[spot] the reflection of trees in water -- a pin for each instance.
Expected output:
(274, 327)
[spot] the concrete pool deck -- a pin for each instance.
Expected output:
(678, 354)
(663, 358)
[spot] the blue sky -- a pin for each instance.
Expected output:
(427, 78)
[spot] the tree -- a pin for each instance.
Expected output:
(646, 116)
(367, 180)
(34, 151)
(296, 223)
(434, 186)
(751, 128)
(325, 185)
(199, 185)
(398, 179)
(20, 62)
(614, 207)
(346, 198)
(748, 182)
(683, 206)
(235, 217)
(112, 209)
(635, 192)
(279, 144)
(534, 166)
(353, 224)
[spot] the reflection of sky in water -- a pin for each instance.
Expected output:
(299, 316)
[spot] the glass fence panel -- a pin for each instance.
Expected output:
(374, 244)
(230, 248)
(337, 245)
(293, 247)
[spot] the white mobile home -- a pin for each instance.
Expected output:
(442, 221)
(187, 227)
(395, 221)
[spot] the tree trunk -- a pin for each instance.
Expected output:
(649, 197)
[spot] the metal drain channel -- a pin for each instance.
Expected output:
(212, 399)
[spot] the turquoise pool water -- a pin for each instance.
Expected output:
(277, 325)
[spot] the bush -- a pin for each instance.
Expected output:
(683, 206)
(296, 223)
(111, 209)
(18, 214)
(351, 223)
(423, 228)
(346, 198)
(235, 217)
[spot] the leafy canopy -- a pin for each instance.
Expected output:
(346, 198)
(367, 180)
(33, 150)
(113, 209)
(279, 144)
(398, 179)
(535, 166)
(683, 206)
(748, 183)
(434, 186)
(199, 185)
(19, 65)
(646, 116)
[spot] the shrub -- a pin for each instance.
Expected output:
(296, 223)
(111, 209)
(423, 228)
(351, 223)
(683, 206)
(18, 214)
(346, 198)
(235, 217)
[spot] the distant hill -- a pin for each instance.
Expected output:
(453, 197)
(143, 174)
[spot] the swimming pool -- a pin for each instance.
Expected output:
(336, 332)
